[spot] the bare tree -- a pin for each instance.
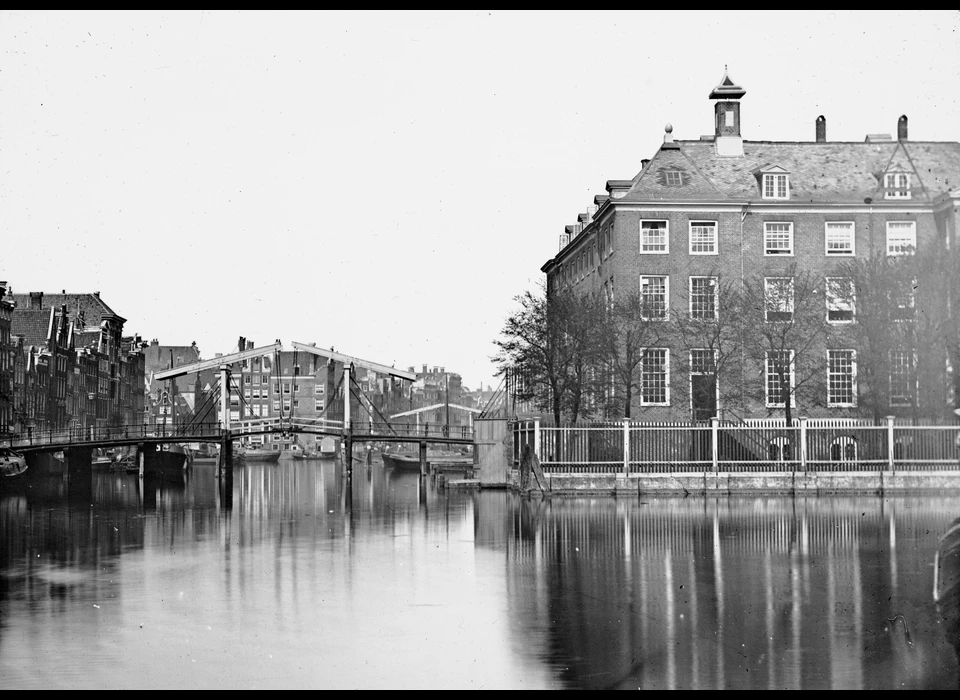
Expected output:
(552, 341)
(785, 333)
(634, 324)
(709, 329)
(900, 320)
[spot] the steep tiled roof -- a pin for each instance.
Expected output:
(90, 305)
(819, 171)
(31, 324)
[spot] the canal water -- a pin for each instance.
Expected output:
(292, 576)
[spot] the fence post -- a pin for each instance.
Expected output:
(715, 443)
(536, 438)
(803, 443)
(626, 446)
(890, 463)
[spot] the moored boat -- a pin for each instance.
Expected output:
(12, 463)
(254, 454)
(435, 460)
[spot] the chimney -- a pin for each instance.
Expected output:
(36, 300)
(821, 129)
(643, 163)
(902, 128)
(425, 369)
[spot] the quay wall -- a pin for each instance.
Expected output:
(720, 483)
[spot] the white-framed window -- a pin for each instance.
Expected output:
(703, 238)
(776, 186)
(655, 296)
(901, 237)
(286, 388)
(903, 301)
(703, 361)
(841, 299)
(256, 379)
(319, 389)
(672, 178)
(276, 387)
(255, 409)
(778, 299)
(841, 378)
(778, 391)
(839, 238)
(276, 405)
(896, 186)
(654, 237)
(655, 377)
(703, 298)
(903, 383)
(247, 379)
(777, 238)
(318, 406)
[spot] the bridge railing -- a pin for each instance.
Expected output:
(425, 430)
(73, 436)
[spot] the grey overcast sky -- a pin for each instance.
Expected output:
(387, 182)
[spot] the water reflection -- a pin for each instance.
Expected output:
(735, 592)
(292, 575)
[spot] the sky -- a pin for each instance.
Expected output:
(387, 183)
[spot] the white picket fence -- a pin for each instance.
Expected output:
(815, 444)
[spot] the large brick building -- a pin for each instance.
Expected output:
(723, 207)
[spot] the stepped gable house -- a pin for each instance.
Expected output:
(722, 207)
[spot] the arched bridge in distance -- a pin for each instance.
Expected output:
(224, 416)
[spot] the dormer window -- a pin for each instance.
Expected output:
(776, 186)
(896, 186)
(672, 178)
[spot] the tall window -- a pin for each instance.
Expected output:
(839, 238)
(775, 187)
(654, 237)
(654, 377)
(903, 301)
(777, 238)
(779, 363)
(703, 238)
(897, 186)
(903, 386)
(901, 237)
(654, 295)
(840, 299)
(841, 378)
(703, 298)
(778, 298)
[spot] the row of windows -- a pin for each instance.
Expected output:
(777, 185)
(779, 378)
(778, 239)
(778, 299)
(263, 409)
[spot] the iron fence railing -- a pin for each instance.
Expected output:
(821, 445)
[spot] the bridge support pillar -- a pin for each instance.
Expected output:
(225, 461)
(423, 457)
(79, 472)
(348, 453)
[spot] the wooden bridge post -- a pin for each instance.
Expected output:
(347, 425)
(423, 457)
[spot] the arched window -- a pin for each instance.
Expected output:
(780, 450)
(844, 449)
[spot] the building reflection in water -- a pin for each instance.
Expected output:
(829, 592)
(290, 575)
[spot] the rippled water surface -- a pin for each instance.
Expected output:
(291, 576)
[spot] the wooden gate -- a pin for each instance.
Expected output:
(492, 444)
